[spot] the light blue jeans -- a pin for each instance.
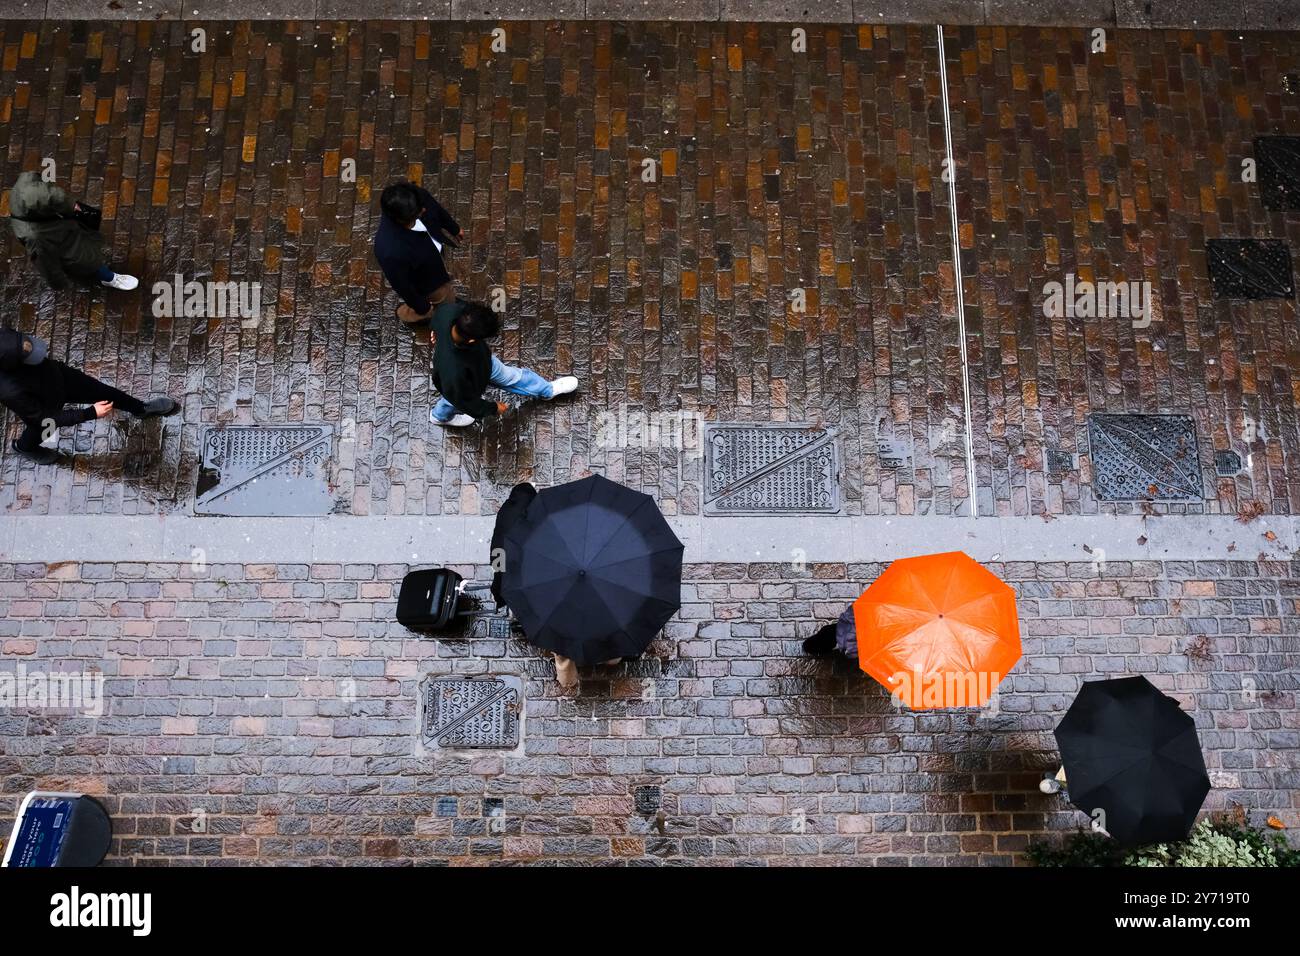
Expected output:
(520, 381)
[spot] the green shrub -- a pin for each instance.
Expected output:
(1211, 843)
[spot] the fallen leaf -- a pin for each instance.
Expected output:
(1276, 824)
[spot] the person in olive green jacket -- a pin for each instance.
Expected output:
(64, 251)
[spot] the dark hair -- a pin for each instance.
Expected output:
(400, 203)
(477, 321)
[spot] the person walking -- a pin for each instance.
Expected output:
(36, 388)
(514, 508)
(61, 237)
(409, 245)
(464, 366)
(841, 636)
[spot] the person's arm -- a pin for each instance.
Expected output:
(478, 407)
(440, 215)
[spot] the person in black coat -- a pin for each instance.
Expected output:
(37, 389)
(412, 234)
(514, 508)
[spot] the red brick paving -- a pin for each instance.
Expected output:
(777, 171)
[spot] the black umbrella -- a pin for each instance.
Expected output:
(592, 571)
(1131, 752)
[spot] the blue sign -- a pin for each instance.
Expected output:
(40, 830)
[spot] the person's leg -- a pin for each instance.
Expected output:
(566, 673)
(443, 294)
(81, 389)
(105, 274)
(29, 440)
(520, 381)
(443, 411)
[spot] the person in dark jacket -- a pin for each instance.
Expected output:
(841, 636)
(514, 508)
(36, 389)
(464, 366)
(63, 250)
(412, 234)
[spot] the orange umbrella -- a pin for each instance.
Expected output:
(938, 631)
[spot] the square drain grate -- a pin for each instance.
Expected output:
(648, 799)
(1144, 458)
(1059, 461)
(1278, 172)
(492, 627)
(1227, 463)
(478, 713)
(265, 470)
(1250, 268)
(770, 469)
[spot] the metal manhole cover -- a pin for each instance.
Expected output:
(471, 712)
(770, 469)
(1278, 173)
(265, 470)
(1144, 458)
(1250, 268)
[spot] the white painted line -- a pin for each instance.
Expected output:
(957, 279)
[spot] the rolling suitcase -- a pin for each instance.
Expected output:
(430, 599)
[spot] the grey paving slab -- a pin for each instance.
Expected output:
(22, 9)
(234, 540)
(1267, 538)
(1050, 12)
(1273, 14)
(70, 537)
(113, 10)
(6, 539)
(517, 10)
(267, 9)
(682, 10)
(465, 539)
(383, 9)
(1181, 13)
(449, 539)
(956, 12)
(782, 11)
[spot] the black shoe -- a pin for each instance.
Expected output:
(42, 455)
(823, 642)
(160, 407)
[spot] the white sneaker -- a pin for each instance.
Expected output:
(456, 421)
(121, 282)
(564, 385)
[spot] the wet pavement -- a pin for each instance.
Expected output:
(774, 172)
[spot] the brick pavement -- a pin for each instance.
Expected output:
(819, 171)
(777, 171)
(226, 694)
